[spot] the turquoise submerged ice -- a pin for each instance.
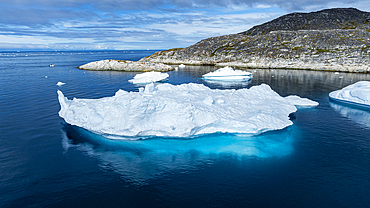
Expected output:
(180, 111)
(358, 92)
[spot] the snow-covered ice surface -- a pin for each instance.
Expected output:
(357, 94)
(228, 73)
(183, 110)
(148, 77)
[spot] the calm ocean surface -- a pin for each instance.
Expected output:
(322, 160)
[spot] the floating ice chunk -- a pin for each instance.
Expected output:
(60, 83)
(228, 73)
(148, 77)
(181, 66)
(355, 94)
(180, 111)
(302, 102)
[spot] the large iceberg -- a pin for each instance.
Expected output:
(357, 94)
(180, 111)
(148, 77)
(228, 73)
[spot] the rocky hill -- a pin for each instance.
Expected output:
(332, 39)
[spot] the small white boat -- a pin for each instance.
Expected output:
(51, 65)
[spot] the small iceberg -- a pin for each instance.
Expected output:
(60, 83)
(357, 95)
(185, 110)
(181, 66)
(228, 73)
(148, 77)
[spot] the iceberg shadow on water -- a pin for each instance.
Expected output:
(145, 158)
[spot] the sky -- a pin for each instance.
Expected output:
(139, 24)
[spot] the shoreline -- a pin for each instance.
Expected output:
(273, 64)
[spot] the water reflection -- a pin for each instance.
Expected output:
(228, 84)
(303, 82)
(358, 116)
(141, 160)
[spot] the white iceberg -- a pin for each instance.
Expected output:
(181, 66)
(148, 77)
(60, 83)
(180, 111)
(228, 73)
(301, 102)
(357, 94)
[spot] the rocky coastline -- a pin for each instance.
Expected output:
(335, 40)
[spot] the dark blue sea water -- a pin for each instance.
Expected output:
(322, 160)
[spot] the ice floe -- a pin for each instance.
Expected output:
(180, 111)
(301, 102)
(148, 77)
(228, 73)
(60, 83)
(357, 94)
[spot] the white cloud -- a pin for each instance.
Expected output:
(139, 23)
